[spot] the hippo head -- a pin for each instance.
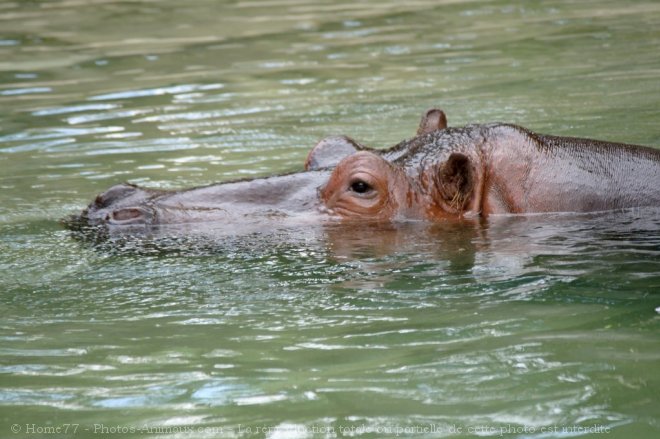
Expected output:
(416, 179)
(408, 181)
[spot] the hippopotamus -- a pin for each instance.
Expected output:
(441, 173)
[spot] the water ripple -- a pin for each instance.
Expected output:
(173, 90)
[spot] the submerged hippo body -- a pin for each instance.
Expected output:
(441, 173)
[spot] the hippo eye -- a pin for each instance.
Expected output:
(360, 187)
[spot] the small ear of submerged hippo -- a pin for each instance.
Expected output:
(433, 119)
(330, 151)
(456, 181)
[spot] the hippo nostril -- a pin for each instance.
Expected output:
(130, 215)
(126, 214)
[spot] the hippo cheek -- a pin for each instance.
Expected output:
(130, 215)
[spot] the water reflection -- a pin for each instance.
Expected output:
(452, 240)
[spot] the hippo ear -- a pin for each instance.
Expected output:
(433, 119)
(330, 151)
(456, 181)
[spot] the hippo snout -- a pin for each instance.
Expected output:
(122, 204)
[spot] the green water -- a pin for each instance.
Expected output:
(542, 326)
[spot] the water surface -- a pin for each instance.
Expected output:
(540, 326)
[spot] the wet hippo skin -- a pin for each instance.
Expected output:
(443, 172)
